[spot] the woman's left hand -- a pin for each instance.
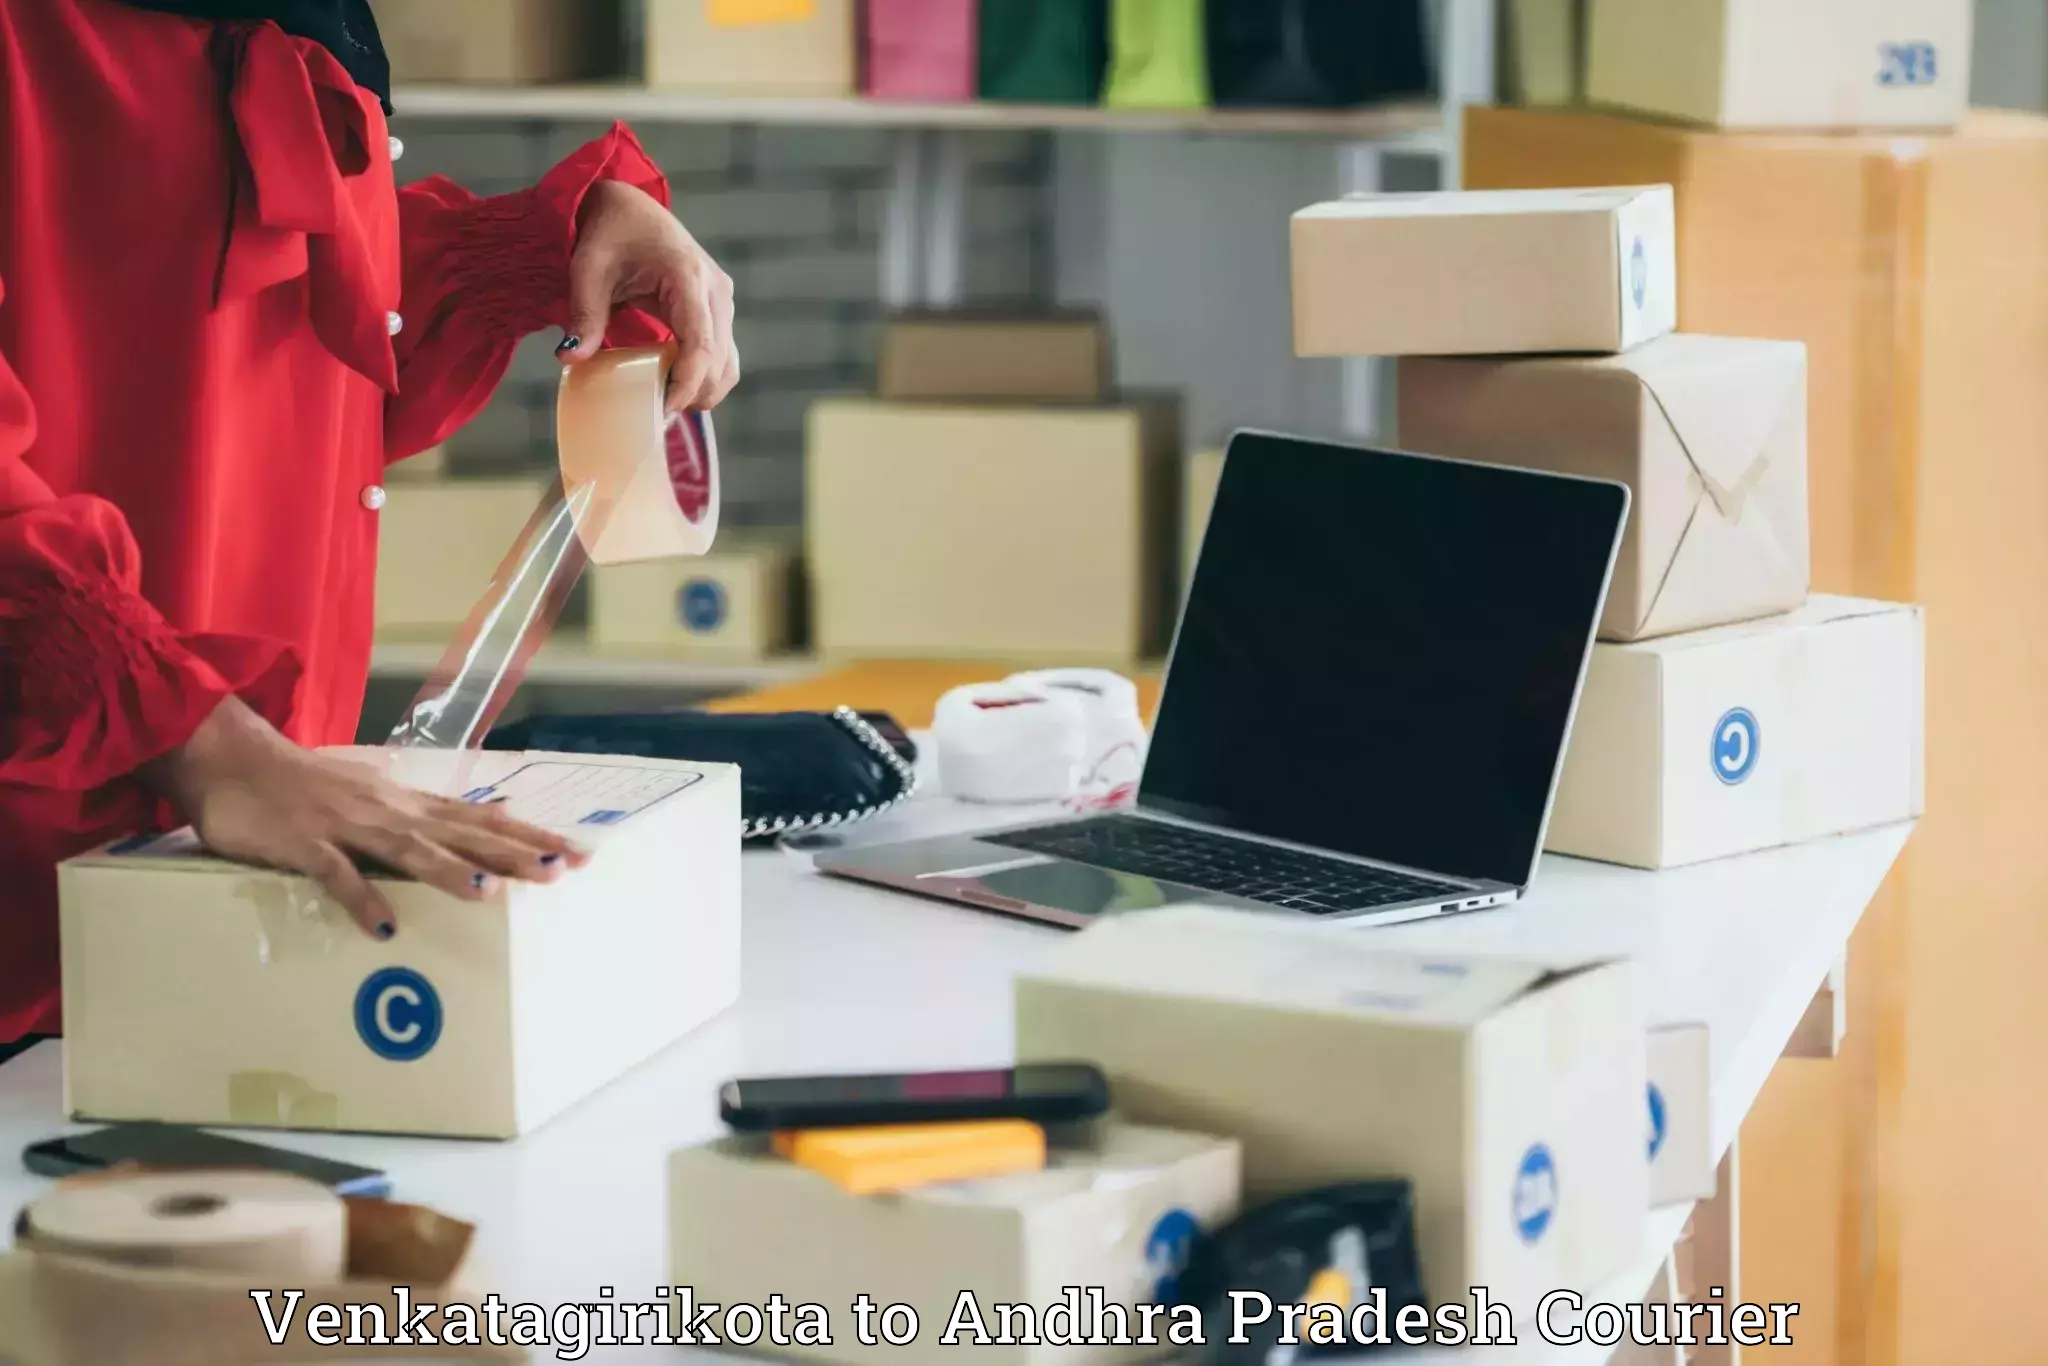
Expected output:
(632, 251)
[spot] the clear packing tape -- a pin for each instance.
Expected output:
(635, 484)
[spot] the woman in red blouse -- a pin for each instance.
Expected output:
(219, 322)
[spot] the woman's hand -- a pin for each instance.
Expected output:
(254, 795)
(630, 250)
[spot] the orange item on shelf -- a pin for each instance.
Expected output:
(888, 1158)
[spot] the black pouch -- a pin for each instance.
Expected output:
(799, 771)
(1318, 53)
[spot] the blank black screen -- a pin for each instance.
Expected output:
(1380, 654)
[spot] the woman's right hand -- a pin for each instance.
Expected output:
(253, 795)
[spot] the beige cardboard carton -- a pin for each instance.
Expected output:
(1784, 64)
(500, 42)
(950, 531)
(1510, 1093)
(725, 47)
(734, 603)
(1117, 1214)
(1544, 51)
(1485, 273)
(1746, 737)
(440, 543)
(1681, 1115)
(1046, 359)
(198, 991)
(1205, 468)
(1709, 433)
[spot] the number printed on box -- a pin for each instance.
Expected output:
(1907, 64)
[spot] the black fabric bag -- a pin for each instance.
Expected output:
(1044, 51)
(799, 771)
(1318, 53)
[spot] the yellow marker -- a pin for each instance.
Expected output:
(889, 1158)
(742, 13)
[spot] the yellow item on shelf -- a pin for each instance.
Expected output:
(899, 1157)
(741, 13)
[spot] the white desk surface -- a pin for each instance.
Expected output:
(841, 977)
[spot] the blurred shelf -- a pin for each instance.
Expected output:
(1418, 122)
(566, 661)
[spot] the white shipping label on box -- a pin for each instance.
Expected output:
(1746, 737)
(1680, 1103)
(199, 991)
(1521, 1083)
(1485, 272)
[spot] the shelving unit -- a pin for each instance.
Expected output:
(568, 662)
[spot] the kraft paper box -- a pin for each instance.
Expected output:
(972, 532)
(198, 991)
(1746, 737)
(753, 47)
(1118, 1212)
(1709, 433)
(1051, 359)
(500, 42)
(734, 603)
(1784, 64)
(1681, 1143)
(1485, 273)
(438, 546)
(1510, 1093)
(1544, 51)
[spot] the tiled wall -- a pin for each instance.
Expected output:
(794, 215)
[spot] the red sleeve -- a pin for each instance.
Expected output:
(482, 273)
(93, 682)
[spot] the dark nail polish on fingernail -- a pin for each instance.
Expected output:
(550, 860)
(572, 342)
(387, 931)
(476, 880)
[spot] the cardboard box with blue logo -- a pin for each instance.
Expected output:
(1510, 1093)
(199, 991)
(1109, 1221)
(1746, 737)
(738, 602)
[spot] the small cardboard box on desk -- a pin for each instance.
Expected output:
(438, 545)
(738, 602)
(1466, 273)
(1746, 737)
(1113, 1216)
(198, 991)
(1509, 1093)
(1709, 433)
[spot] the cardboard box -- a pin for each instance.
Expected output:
(1709, 433)
(1746, 737)
(737, 602)
(430, 466)
(1510, 1093)
(198, 991)
(440, 543)
(500, 42)
(733, 47)
(1118, 1214)
(1784, 64)
(1681, 1115)
(1052, 359)
(1018, 534)
(1484, 274)
(1544, 51)
(1205, 469)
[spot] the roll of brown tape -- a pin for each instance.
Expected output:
(652, 476)
(278, 1228)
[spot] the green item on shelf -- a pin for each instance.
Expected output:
(1044, 51)
(1158, 55)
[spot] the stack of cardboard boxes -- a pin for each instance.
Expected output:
(1723, 711)
(997, 500)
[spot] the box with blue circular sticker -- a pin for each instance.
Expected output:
(200, 991)
(738, 602)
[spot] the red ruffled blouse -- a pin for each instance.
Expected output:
(219, 321)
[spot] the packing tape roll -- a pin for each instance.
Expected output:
(280, 1228)
(1116, 729)
(1010, 743)
(636, 483)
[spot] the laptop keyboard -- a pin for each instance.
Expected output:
(1219, 863)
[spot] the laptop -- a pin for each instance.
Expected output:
(1365, 709)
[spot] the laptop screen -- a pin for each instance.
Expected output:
(1380, 654)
